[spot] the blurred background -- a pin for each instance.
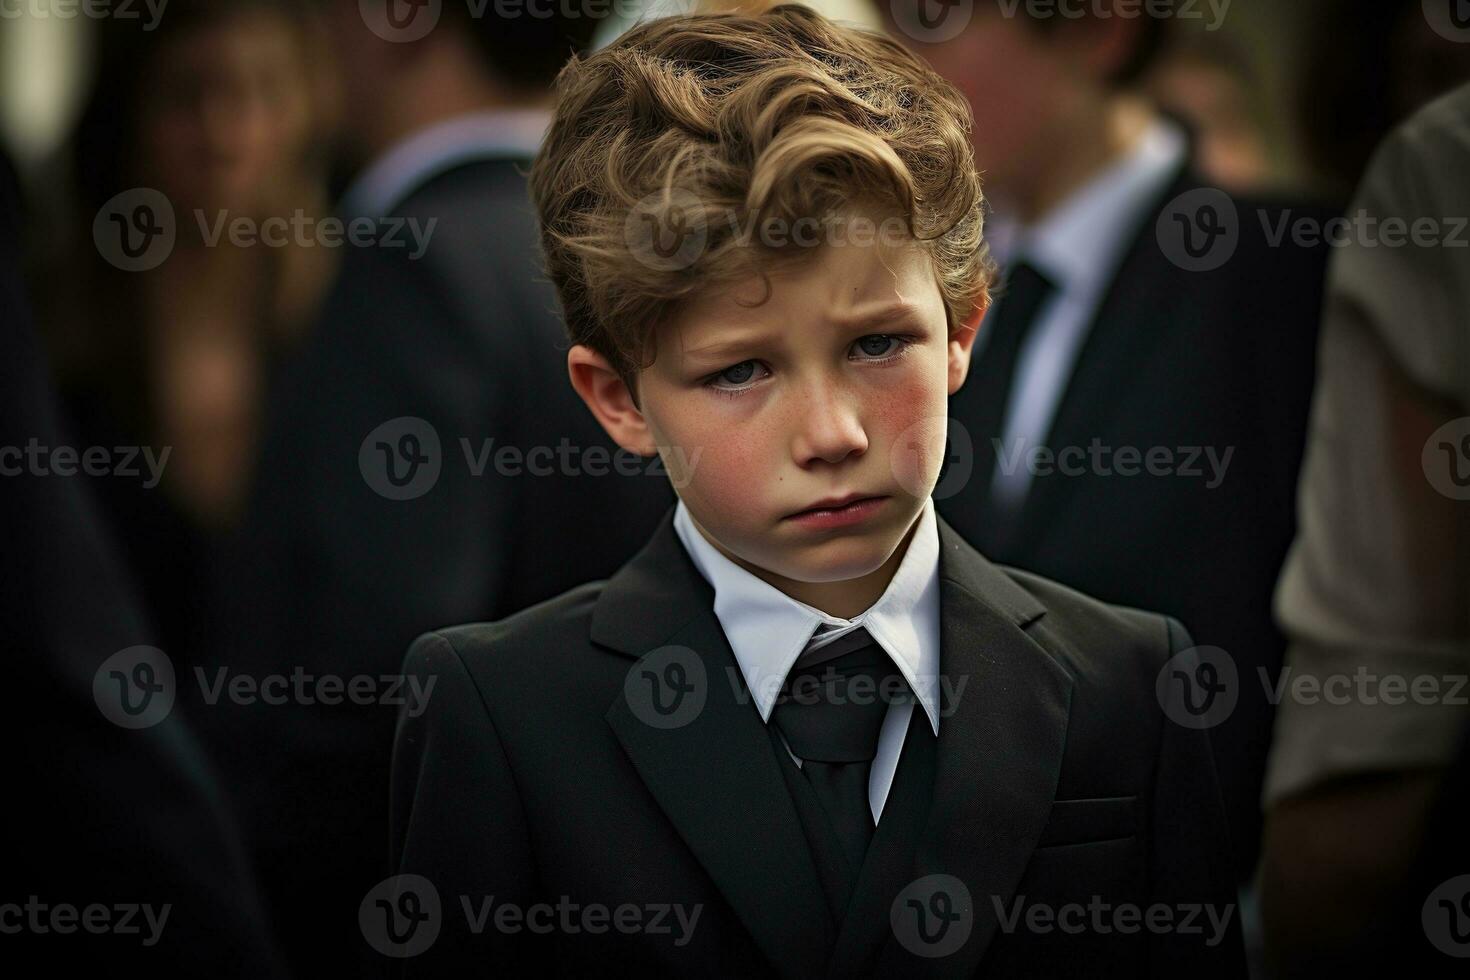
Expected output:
(232, 387)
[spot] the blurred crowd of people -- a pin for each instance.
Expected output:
(265, 382)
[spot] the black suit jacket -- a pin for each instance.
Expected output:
(535, 777)
(332, 578)
(1182, 360)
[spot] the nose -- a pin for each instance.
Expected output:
(828, 428)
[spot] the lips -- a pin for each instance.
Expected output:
(834, 503)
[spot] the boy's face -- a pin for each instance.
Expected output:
(834, 388)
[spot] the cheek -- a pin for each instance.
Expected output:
(908, 424)
(715, 464)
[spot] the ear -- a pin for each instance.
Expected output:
(961, 343)
(605, 393)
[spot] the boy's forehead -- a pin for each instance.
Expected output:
(842, 285)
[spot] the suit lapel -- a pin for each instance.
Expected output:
(1004, 706)
(715, 775)
(1001, 734)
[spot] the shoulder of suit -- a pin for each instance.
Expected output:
(1092, 636)
(557, 624)
(471, 190)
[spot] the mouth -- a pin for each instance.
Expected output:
(836, 511)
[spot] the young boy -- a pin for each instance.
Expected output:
(808, 730)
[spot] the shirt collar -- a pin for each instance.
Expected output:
(489, 135)
(1079, 243)
(768, 629)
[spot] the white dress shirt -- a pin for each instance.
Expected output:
(489, 135)
(768, 630)
(1079, 246)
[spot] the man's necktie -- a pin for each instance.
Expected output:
(830, 712)
(981, 404)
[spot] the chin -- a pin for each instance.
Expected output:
(840, 559)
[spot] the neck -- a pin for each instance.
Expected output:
(1108, 136)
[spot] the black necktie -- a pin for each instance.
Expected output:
(831, 720)
(981, 404)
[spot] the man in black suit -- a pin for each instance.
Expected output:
(424, 462)
(808, 730)
(120, 854)
(1138, 409)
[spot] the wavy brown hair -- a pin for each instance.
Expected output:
(726, 124)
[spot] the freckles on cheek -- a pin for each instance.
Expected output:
(725, 459)
(909, 420)
(731, 474)
(896, 407)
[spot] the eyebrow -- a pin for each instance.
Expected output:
(897, 313)
(888, 315)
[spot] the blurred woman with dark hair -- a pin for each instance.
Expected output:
(223, 109)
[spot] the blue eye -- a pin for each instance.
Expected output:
(738, 374)
(736, 378)
(878, 344)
